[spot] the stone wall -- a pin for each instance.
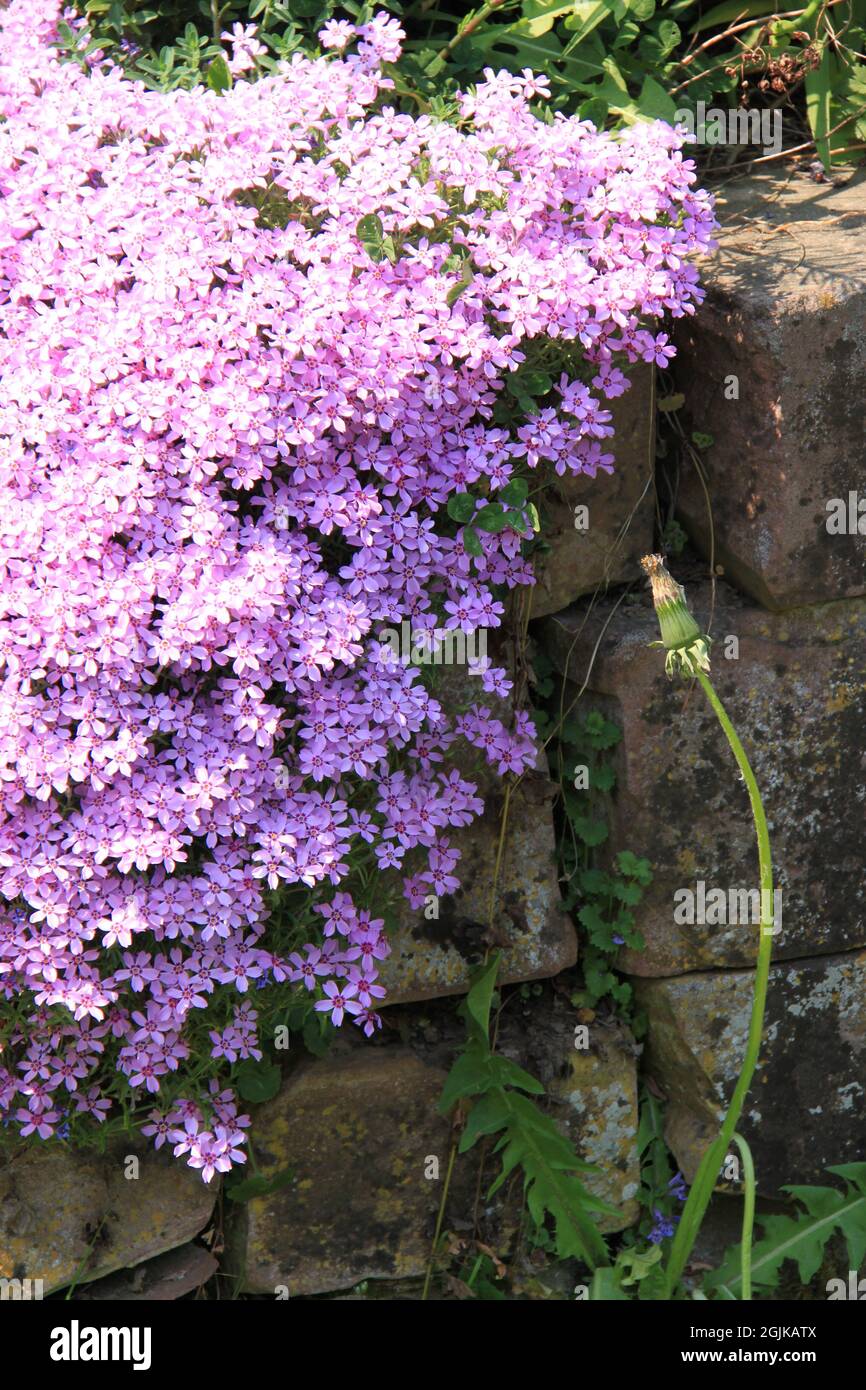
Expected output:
(774, 368)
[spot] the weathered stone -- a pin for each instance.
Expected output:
(437, 957)
(592, 1090)
(170, 1276)
(359, 1128)
(620, 508)
(786, 315)
(796, 693)
(357, 1132)
(805, 1109)
(67, 1215)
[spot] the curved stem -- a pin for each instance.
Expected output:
(705, 1180)
(748, 1216)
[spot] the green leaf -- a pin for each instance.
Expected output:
(461, 506)
(602, 778)
(219, 79)
(594, 110)
(258, 1081)
(258, 1185)
(818, 103)
(479, 998)
(550, 1166)
(804, 1236)
(595, 881)
(487, 1115)
(370, 228)
(654, 102)
(471, 544)
(606, 1287)
(508, 1073)
(529, 383)
(628, 893)
(515, 492)
(732, 10)
(633, 867)
(668, 404)
(469, 1076)
(490, 517)
(592, 832)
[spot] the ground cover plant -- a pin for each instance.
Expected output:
(280, 364)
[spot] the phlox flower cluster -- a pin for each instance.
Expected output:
(230, 426)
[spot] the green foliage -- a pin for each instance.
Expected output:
(258, 1081)
(499, 1092)
(604, 899)
(244, 1189)
(803, 1237)
(612, 61)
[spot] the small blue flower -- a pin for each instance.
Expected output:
(677, 1187)
(664, 1227)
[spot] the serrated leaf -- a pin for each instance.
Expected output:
(592, 832)
(804, 1236)
(469, 1076)
(487, 1116)
(508, 1073)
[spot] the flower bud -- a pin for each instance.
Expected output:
(687, 647)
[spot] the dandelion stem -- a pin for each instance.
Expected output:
(705, 1181)
(748, 1216)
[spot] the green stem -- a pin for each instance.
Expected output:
(439, 1219)
(748, 1215)
(705, 1180)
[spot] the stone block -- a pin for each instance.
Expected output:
(785, 315)
(805, 1109)
(796, 692)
